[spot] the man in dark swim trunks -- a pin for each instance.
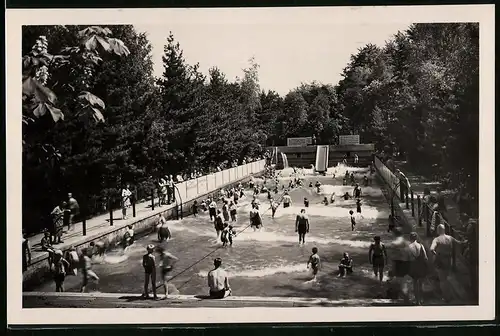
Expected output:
(377, 256)
(302, 226)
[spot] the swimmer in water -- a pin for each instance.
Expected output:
(167, 263)
(314, 262)
(325, 200)
(302, 226)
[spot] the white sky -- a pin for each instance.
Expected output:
(288, 53)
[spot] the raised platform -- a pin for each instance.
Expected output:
(305, 156)
(121, 300)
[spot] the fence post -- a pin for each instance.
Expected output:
(110, 207)
(406, 199)
(152, 199)
(84, 224)
(412, 204)
(133, 202)
(419, 210)
(427, 220)
(392, 203)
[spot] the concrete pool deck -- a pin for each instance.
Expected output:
(122, 300)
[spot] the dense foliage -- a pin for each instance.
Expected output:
(417, 96)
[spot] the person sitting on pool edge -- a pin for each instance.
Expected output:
(218, 282)
(345, 265)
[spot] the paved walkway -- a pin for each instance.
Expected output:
(120, 300)
(95, 226)
(460, 279)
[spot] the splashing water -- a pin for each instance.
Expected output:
(327, 190)
(338, 210)
(276, 237)
(262, 272)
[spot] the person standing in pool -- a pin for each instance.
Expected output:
(318, 186)
(306, 202)
(74, 260)
(149, 265)
(61, 266)
(232, 211)
(218, 281)
(218, 223)
(163, 230)
(353, 220)
(274, 207)
(357, 191)
(225, 211)
(212, 209)
(358, 208)
(87, 271)
(168, 261)
(287, 200)
(237, 195)
(194, 207)
(128, 237)
(315, 262)
(302, 226)
(255, 219)
(377, 255)
(98, 248)
(332, 198)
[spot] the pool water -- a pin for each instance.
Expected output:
(269, 262)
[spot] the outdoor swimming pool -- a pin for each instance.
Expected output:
(270, 262)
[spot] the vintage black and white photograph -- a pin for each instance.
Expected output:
(252, 158)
